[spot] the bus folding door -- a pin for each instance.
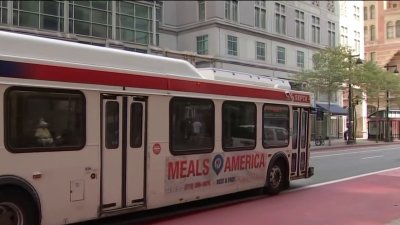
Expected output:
(123, 152)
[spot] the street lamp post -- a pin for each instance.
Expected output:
(387, 136)
(350, 137)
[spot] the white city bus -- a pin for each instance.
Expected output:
(89, 132)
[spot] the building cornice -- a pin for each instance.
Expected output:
(237, 27)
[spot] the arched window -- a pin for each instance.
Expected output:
(365, 13)
(372, 12)
(398, 28)
(372, 29)
(389, 30)
(365, 33)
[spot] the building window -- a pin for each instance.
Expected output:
(316, 30)
(300, 59)
(134, 22)
(373, 56)
(46, 15)
(39, 120)
(202, 10)
(365, 33)
(90, 18)
(260, 48)
(231, 10)
(239, 129)
(391, 5)
(280, 18)
(398, 28)
(260, 14)
(330, 6)
(191, 125)
(331, 34)
(344, 36)
(372, 12)
(389, 30)
(356, 13)
(343, 10)
(365, 13)
(275, 125)
(202, 45)
(315, 3)
(232, 45)
(280, 55)
(357, 45)
(3, 12)
(372, 30)
(299, 24)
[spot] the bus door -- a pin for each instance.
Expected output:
(299, 142)
(123, 152)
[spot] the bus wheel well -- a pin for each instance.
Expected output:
(23, 189)
(277, 178)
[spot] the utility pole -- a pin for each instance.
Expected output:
(387, 130)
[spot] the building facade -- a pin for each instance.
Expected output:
(271, 38)
(382, 32)
(352, 36)
(119, 24)
(382, 45)
(268, 38)
(382, 42)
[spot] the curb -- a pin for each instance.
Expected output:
(350, 146)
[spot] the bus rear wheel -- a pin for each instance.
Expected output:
(277, 178)
(16, 208)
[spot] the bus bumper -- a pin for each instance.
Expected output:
(310, 172)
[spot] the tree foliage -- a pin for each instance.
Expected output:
(335, 68)
(330, 70)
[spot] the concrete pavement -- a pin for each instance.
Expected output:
(341, 144)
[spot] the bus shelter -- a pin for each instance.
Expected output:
(377, 123)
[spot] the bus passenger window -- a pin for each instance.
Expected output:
(41, 119)
(191, 125)
(238, 125)
(276, 125)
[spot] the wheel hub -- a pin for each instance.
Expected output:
(10, 214)
(275, 176)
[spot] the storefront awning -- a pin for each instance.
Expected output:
(336, 109)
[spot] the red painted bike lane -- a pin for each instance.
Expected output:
(368, 200)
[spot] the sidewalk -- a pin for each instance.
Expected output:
(341, 144)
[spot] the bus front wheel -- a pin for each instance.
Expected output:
(16, 208)
(276, 178)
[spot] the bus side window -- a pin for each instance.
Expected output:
(191, 125)
(44, 119)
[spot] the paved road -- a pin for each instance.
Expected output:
(329, 166)
(338, 164)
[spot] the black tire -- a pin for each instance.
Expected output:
(17, 208)
(277, 178)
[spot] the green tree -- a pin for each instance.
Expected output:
(332, 69)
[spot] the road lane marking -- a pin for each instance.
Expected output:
(350, 153)
(373, 157)
(340, 180)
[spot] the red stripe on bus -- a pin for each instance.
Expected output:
(76, 75)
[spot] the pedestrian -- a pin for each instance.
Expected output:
(346, 135)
